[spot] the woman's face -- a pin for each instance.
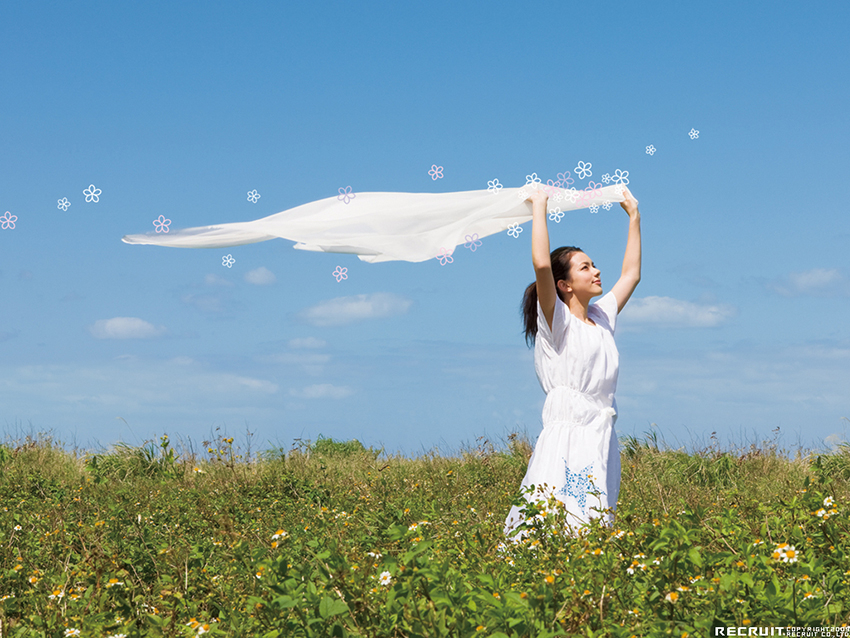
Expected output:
(585, 280)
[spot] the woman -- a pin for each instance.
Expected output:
(576, 458)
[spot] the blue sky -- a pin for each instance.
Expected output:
(739, 326)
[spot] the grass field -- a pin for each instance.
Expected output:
(332, 539)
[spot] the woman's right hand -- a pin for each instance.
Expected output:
(538, 197)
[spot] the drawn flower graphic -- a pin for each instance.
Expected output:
(92, 194)
(445, 257)
(621, 177)
(340, 273)
(345, 194)
(63, 203)
(606, 178)
(694, 134)
(565, 180)
(514, 230)
(436, 172)
(472, 242)
(583, 170)
(522, 193)
(556, 215)
(532, 180)
(7, 221)
(591, 192)
(594, 208)
(228, 261)
(494, 186)
(650, 150)
(551, 188)
(619, 189)
(161, 224)
(607, 205)
(572, 195)
(253, 196)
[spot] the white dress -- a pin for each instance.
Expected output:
(577, 457)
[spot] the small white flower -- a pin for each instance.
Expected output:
(694, 134)
(532, 180)
(92, 195)
(386, 578)
(594, 208)
(514, 230)
(606, 178)
(253, 196)
(17, 528)
(583, 170)
(63, 203)
(72, 632)
(620, 177)
(650, 150)
(494, 186)
(375, 555)
(828, 501)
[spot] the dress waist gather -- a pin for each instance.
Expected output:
(568, 404)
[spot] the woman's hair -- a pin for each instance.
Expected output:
(560, 270)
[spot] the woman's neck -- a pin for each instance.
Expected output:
(578, 308)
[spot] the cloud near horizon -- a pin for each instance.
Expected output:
(125, 328)
(344, 310)
(675, 313)
(261, 276)
(821, 282)
(322, 391)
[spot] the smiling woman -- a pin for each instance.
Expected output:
(577, 458)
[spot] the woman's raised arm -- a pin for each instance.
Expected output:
(546, 291)
(630, 277)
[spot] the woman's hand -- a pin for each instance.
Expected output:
(538, 198)
(630, 205)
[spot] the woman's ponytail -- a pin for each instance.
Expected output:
(529, 313)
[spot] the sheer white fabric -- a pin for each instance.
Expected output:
(386, 226)
(576, 458)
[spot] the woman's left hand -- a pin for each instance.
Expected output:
(630, 204)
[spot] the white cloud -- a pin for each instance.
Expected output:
(307, 342)
(204, 303)
(322, 391)
(344, 310)
(666, 311)
(261, 276)
(125, 328)
(215, 280)
(815, 282)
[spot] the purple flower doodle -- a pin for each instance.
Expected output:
(565, 179)
(7, 221)
(436, 172)
(551, 188)
(472, 242)
(345, 194)
(161, 224)
(340, 273)
(444, 256)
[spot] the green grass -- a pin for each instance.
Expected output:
(336, 539)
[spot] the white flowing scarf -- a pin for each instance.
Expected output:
(389, 226)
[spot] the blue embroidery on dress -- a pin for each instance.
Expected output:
(579, 485)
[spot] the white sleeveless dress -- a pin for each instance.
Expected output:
(577, 456)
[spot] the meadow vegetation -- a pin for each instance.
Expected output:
(332, 538)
